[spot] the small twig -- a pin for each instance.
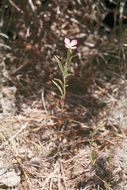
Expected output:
(25, 62)
(51, 175)
(103, 181)
(22, 128)
(33, 11)
(43, 101)
(14, 5)
(51, 183)
(21, 166)
(5, 46)
(59, 186)
(13, 137)
(31, 5)
(63, 174)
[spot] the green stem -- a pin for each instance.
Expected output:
(64, 93)
(65, 73)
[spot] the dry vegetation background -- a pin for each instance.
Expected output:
(87, 148)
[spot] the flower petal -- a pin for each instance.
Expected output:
(67, 41)
(67, 46)
(73, 43)
(73, 47)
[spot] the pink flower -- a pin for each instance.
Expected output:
(70, 44)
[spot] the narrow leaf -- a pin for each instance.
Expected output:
(5, 46)
(59, 81)
(59, 88)
(74, 56)
(59, 63)
(69, 74)
(4, 35)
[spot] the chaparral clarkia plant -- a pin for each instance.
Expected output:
(64, 68)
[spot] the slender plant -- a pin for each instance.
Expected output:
(93, 153)
(64, 67)
(91, 142)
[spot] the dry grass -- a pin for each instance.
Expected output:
(86, 148)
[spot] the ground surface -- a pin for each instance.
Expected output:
(86, 147)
